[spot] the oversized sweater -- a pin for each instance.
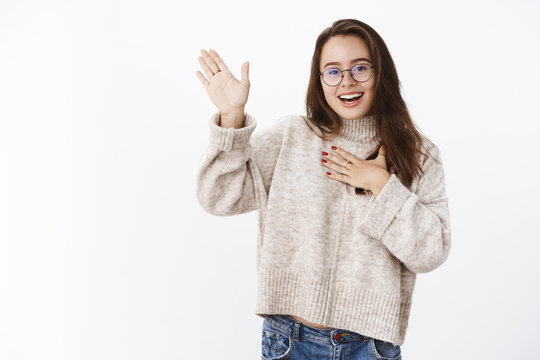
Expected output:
(324, 253)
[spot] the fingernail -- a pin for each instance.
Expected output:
(324, 153)
(334, 148)
(329, 173)
(324, 160)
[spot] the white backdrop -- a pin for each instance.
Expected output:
(105, 252)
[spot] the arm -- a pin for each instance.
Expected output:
(415, 227)
(236, 170)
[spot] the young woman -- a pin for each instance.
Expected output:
(351, 199)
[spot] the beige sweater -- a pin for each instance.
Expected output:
(324, 253)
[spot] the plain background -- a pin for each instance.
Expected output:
(105, 252)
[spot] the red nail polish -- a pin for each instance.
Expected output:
(324, 160)
(329, 173)
(324, 153)
(334, 148)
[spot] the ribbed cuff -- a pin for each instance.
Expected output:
(226, 139)
(382, 209)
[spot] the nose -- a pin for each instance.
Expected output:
(347, 80)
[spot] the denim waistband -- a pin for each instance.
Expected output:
(300, 330)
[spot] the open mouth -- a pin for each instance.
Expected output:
(351, 99)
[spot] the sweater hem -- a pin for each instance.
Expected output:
(366, 311)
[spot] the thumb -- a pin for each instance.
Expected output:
(245, 73)
(382, 151)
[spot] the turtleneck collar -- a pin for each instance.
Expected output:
(360, 130)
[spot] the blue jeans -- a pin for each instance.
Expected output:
(285, 338)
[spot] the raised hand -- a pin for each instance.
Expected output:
(226, 92)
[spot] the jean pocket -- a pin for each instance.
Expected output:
(384, 350)
(275, 344)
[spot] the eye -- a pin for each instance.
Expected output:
(332, 71)
(360, 68)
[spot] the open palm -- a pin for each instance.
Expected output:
(226, 92)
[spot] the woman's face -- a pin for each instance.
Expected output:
(344, 52)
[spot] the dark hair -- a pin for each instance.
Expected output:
(393, 123)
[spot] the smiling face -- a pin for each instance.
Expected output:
(345, 52)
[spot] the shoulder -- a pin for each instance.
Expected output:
(430, 153)
(283, 125)
(301, 124)
(292, 120)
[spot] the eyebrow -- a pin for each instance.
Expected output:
(355, 60)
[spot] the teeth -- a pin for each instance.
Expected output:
(351, 96)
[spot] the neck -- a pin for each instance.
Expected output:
(360, 130)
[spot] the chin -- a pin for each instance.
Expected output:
(351, 115)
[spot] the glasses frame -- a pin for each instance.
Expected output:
(350, 70)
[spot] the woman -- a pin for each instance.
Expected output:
(351, 198)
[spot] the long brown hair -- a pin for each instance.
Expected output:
(393, 122)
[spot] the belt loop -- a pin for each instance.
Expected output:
(296, 331)
(366, 338)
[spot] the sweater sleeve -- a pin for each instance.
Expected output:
(236, 169)
(415, 227)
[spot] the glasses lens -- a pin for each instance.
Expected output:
(361, 73)
(331, 77)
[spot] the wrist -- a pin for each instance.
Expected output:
(231, 119)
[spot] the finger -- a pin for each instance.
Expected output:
(203, 80)
(335, 176)
(210, 61)
(245, 73)
(336, 167)
(334, 158)
(348, 156)
(220, 63)
(209, 73)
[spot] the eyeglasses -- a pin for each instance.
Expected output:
(360, 73)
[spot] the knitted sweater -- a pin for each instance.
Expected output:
(325, 253)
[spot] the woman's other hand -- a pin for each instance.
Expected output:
(371, 175)
(226, 92)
